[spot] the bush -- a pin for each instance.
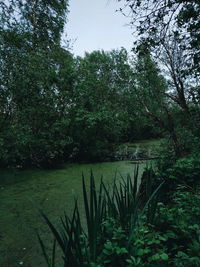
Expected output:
(186, 170)
(173, 240)
(183, 171)
(180, 223)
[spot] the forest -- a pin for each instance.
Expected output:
(58, 109)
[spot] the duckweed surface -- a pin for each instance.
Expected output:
(23, 193)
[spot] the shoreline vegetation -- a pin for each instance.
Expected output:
(57, 108)
(49, 189)
(153, 223)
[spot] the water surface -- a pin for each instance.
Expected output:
(22, 193)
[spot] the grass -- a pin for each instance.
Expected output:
(22, 193)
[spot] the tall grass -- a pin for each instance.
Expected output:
(122, 203)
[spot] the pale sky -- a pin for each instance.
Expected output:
(94, 25)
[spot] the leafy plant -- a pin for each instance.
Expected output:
(111, 219)
(186, 170)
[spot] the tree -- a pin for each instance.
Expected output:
(171, 31)
(154, 20)
(102, 80)
(150, 90)
(162, 25)
(32, 66)
(42, 21)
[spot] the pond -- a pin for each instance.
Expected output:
(23, 193)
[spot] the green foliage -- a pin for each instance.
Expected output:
(34, 128)
(151, 84)
(169, 32)
(180, 222)
(148, 247)
(150, 92)
(111, 221)
(120, 229)
(186, 170)
(155, 21)
(175, 172)
(55, 107)
(102, 80)
(147, 188)
(173, 239)
(36, 132)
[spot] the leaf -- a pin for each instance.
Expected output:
(164, 256)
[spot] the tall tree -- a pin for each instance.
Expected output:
(171, 31)
(150, 90)
(160, 22)
(102, 80)
(31, 58)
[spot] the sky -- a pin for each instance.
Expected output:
(95, 25)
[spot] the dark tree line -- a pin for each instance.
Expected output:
(55, 107)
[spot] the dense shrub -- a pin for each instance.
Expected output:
(180, 223)
(183, 171)
(186, 170)
(172, 241)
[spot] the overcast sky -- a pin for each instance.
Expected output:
(95, 24)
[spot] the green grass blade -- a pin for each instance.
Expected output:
(55, 232)
(44, 251)
(53, 262)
